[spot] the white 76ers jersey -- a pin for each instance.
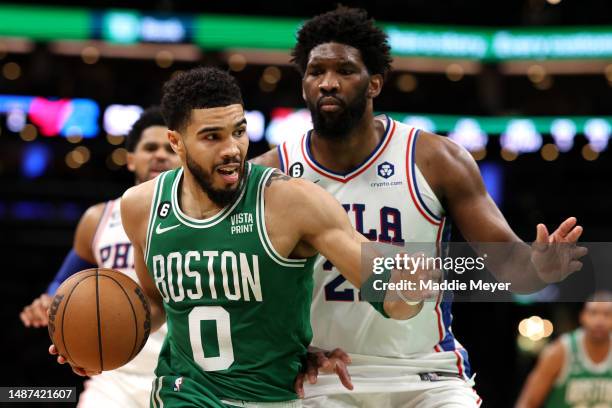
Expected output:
(113, 249)
(388, 200)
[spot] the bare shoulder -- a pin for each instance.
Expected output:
(93, 214)
(554, 354)
(445, 164)
(268, 159)
(86, 230)
(136, 206)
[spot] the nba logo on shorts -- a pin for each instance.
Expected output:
(386, 170)
(177, 384)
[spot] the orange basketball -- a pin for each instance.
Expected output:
(99, 319)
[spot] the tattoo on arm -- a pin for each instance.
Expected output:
(276, 176)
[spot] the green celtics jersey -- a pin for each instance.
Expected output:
(582, 383)
(238, 313)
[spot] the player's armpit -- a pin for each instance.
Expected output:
(540, 382)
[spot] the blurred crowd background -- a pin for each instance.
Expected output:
(525, 85)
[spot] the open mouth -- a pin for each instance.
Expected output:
(229, 173)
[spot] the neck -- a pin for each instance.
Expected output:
(343, 155)
(193, 201)
(596, 348)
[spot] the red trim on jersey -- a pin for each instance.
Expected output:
(459, 362)
(106, 213)
(286, 158)
(438, 301)
(352, 176)
(410, 185)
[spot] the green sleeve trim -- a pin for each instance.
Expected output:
(375, 297)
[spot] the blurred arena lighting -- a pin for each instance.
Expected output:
(90, 55)
(535, 328)
(285, 122)
(15, 120)
(119, 156)
(563, 131)
(28, 133)
(553, 2)
(53, 117)
(549, 152)
(588, 153)
(468, 134)
(74, 139)
(115, 140)
(81, 154)
(11, 71)
(544, 84)
(237, 62)
(266, 86)
(508, 155)
(536, 73)
(164, 59)
(521, 136)
(454, 72)
(71, 160)
(493, 177)
(420, 122)
(598, 132)
(118, 119)
(180, 52)
(35, 161)
(271, 74)
(406, 82)
(256, 125)
(529, 346)
(479, 154)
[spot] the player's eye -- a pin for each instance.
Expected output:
(240, 132)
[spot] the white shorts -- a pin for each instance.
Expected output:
(453, 393)
(116, 390)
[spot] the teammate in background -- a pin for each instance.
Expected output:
(398, 184)
(576, 369)
(224, 250)
(100, 241)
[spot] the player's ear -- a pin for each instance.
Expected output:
(130, 162)
(176, 142)
(375, 85)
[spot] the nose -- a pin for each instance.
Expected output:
(329, 83)
(161, 153)
(230, 149)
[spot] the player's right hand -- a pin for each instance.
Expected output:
(35, 314)
(77, 370)
(317, 360)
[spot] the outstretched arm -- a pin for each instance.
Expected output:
(268, 159)
(321, 225)
(456, 179)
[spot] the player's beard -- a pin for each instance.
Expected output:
(220, 197)
(338, 125)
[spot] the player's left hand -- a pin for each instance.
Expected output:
(77, 370)
(334, 361)
(556, 255)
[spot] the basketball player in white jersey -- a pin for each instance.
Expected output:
(100, 241)
(576, 369)
(398, 185)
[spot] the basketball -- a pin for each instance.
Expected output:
(99, 319)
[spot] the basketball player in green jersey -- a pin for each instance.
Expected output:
(576, 370)
(224, 250)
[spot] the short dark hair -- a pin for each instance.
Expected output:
(198, 88)
(152, 116)
(349, 26)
